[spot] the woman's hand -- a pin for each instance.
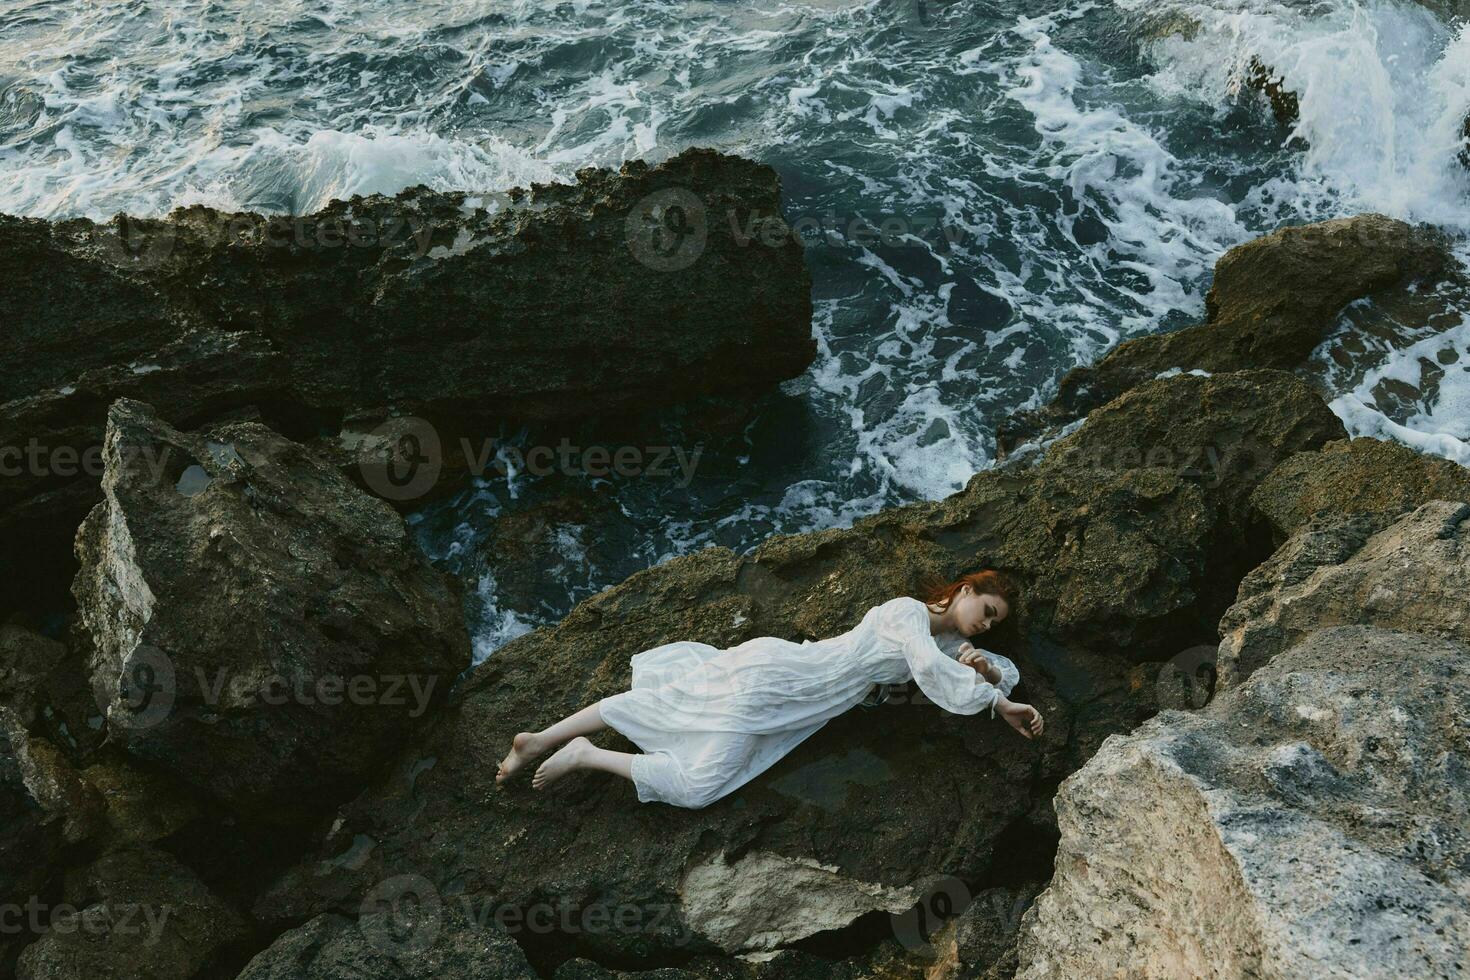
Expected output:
(1022, 717)
(971, 657)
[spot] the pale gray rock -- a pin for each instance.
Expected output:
(1310, 823)
(1411, 574)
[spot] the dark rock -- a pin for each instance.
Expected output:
(1273, 301)
(624, 292)
(134, 913)
(1285, 104)
(860, 819)
(1356, 475)
(398, 943)
(47, 813)
(138, 806)
(48, 489)
(62, 795)
(45, 808)
(986, 931)
(264, 630)
(1139, 521)
(41, 681)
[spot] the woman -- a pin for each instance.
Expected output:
(709, 720)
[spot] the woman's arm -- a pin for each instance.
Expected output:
(954, 686)
(950, 684)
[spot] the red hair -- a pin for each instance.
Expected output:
(941, 594)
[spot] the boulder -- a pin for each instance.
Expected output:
(1273, 301)
(624, 292)
(1355, 475)
(138, 806)
(47, 813)
(980, 941)
(1138, 524)
(29, 663)
(26, 662)
(264, 631)
(864, 820)
(663, 281)
(1308, 823)
(134, 913)
(1412, 573)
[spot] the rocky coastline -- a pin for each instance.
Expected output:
(243, 746)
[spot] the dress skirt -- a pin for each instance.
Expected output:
(704, 728)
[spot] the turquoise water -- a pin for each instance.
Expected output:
(1052, 180)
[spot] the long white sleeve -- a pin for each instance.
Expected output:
(947, 682)
(950, 642)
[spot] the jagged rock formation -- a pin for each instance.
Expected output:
(624, 292)
(1409, 574)
(1273, 300)
(234, 550)
(865, 817)
(1309, 823)
(1355, 476)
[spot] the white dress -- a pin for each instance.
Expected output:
(710, 720)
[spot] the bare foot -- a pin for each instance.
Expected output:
(523, 748)
(562, 761)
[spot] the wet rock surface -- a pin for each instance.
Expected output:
(1273, 300)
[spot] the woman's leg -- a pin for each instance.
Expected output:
(722, 757)
(579, 753)
(528, 745)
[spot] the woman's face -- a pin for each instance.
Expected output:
(975, 612)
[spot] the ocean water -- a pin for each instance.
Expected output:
(1051, 180)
